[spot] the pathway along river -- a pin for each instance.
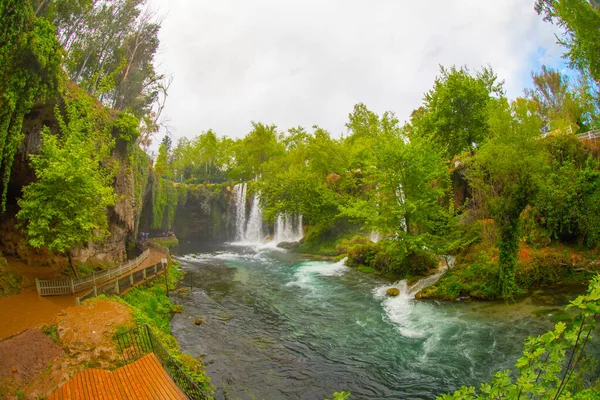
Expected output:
(278, 325)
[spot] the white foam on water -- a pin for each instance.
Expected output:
(399, 309)
(306, 273)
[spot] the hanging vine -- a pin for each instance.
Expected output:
(30, 60)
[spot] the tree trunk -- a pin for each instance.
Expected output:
(71, 265)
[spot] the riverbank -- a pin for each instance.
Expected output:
(81, 337)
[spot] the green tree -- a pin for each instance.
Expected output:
(504, 176)
(454, 113)
(66, 206)
(560, 105)
(161, 165)
(580, 21)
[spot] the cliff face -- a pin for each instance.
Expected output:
(207, 215)
(121, 217)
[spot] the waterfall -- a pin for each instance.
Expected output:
(288, 228)
(240, 211)
(254, 228)
(375, 236)
(249, 227)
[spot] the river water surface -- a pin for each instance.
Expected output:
(277, 325)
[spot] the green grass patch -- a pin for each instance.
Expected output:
(151, 306)
(51, 331)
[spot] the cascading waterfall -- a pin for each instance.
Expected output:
(249, 227)
(288, 228)
(254, 227)
(240, 211)
(375, 236)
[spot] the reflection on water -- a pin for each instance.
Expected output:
(279, 326)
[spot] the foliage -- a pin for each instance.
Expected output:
(66, 206)
(30, 60)
(568, 204)
(454, 113)
(51, 331)
(476, 278)
(10, 283)
(506, 172)
(553, 365)
(341, 395)
(153, 307)
(580, 21)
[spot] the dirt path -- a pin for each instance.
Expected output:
(40, 365)
(28, 310)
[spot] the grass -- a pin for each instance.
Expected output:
(151, 306)
(51, 331)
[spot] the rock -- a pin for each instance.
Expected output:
(14, 370)
(198, 321)
(393, 291)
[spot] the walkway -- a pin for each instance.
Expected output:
(28, 310)
(143, 379)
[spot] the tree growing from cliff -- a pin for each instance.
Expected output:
(66, 206)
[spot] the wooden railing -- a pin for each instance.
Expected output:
(140, 341)
(55, 287)
(123, 284)
(590, 135)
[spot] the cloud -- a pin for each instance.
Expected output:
(308, 62)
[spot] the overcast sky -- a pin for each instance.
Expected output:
(292, 63)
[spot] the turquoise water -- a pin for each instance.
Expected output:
(281, 326)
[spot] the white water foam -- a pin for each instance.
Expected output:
(306, 273)
(400, 309)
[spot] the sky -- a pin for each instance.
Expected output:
(305, 63)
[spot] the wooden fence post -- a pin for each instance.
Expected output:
(131, 278)
(144, 270)
(95, 291)
(37, 286)
(72, 287)
(117, 286)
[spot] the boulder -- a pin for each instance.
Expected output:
(393, 291)
(197, 321)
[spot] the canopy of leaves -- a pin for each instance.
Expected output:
(66, 206)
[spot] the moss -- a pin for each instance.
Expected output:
(477, 279)
(169, 242)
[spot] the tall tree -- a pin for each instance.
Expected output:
(454, 113)
(580, 21)
(505, 176)
(66, 206)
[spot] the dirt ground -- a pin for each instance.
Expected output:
(85, 335)
(28, 310)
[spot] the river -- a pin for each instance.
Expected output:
(277, 325)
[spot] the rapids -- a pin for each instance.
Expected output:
(278, 325)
